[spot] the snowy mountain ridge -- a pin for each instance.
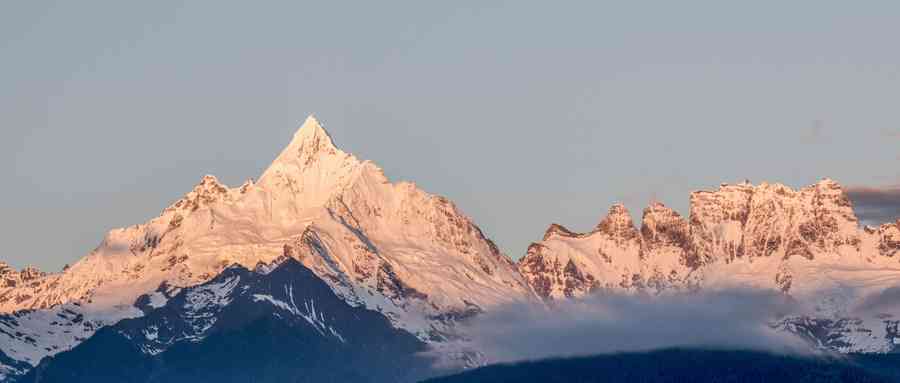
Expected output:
(733, 227)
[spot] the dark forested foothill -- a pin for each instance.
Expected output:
(677, 365)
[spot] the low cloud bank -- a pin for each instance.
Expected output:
(736, 319)
(876, 205)
(880, 302)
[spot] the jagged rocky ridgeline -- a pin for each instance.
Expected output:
(10, 277)
(771, 227)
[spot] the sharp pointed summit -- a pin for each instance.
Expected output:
(618, 222)
(312, 128)
(311, 148)
(310, 138)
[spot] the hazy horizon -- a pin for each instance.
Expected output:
(523, 115)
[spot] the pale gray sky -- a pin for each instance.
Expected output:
(523, 113)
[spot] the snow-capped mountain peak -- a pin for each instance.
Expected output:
(388, 247)
(311, 169)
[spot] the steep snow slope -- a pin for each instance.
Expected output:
(389, 247)
(806, 243)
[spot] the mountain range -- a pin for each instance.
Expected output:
(324, 269)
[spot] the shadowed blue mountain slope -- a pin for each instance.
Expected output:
(282, 326)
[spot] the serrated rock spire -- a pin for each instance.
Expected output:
(617, 222)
